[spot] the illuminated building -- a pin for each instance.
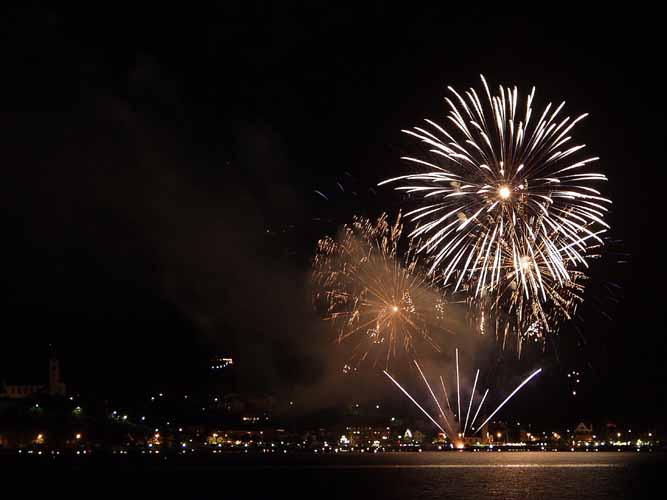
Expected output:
(583, 432)
(222, 375)
(20, 391)
(363, 436)
(469, 441)
(220, 363)
(54, 387)
(497, 433)
(234, 437)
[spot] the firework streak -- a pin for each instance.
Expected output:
(462, 426)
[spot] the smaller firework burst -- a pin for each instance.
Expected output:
(505, 307)
(374, 295)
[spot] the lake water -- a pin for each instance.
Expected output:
(433, 476)
(429, 476)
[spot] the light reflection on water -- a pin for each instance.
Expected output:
(430, 476)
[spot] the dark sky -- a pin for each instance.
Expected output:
(159, 169)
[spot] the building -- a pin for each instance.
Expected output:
(366, 436)
(497, 433)
(220, 363)
(54, 387)
(474, 440)
(20, 391)
(583, 433)
(223, 374)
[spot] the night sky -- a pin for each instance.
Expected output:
(159, 169)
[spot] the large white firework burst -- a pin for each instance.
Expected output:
(508, 202)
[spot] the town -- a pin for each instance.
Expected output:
(45, 419)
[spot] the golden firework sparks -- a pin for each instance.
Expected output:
(372, 294)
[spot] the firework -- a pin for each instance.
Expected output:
(510, 211)
(456, 425)
(374, 295)
(518, 388)
(414, 401)
(481, 403)
(504, 309)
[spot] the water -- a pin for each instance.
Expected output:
(451, 475)
(429, 476)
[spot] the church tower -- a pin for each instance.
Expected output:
(56, 386)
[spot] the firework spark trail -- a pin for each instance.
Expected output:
(510, 212)
(509, 397)
(415, 402)
(458, 389)
(444, 389)
(442, 413)
(472, 428)
(472, 396)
